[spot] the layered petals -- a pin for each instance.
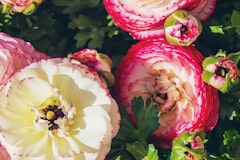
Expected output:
(15, 54)
(171, 76)
(145, 19)
(57, 109)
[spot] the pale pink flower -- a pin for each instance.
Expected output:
(15, 54)
(57, 109)
(171, 76)
(145, 18)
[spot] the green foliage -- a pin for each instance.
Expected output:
(231, 143)
(132, 140)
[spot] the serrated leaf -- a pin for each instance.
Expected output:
(82, 38)
(152, 153)
(146, 123)
(146, 116)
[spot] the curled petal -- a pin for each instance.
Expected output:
(145, 19)
(15, 54)
(171, 76)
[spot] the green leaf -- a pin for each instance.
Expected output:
(235, 21)
(146, 116)
(235, 18)
(235, 57)
(216, 29)
(152, 153)
(137, 149)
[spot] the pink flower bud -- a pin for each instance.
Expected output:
(182, 28)
(100, 62)
(24, 6)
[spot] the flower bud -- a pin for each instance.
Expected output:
(26, 7)
(102, 63)
(188, 146)
(182, 28)
(221, 71)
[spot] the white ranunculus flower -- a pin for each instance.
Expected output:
(57, 109)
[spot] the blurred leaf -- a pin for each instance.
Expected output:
(217, 29)
(235, 20)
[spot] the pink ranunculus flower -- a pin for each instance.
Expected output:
(15, 54)
(145, 19)
(57, 109)
(24, 6)
(171, 76)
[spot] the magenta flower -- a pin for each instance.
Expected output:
(145, 19)
(15, 54)
(171, 76)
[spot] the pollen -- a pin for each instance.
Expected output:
(50, 115)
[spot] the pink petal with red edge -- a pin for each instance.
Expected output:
(145, 19)
(154, 68)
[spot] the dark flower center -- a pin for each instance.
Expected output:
(221, 71)
(52, 113)
(183, 29)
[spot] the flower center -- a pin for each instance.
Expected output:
(221, 71)
(51, 112)
(52, 115)
(183, 29)
(166, 93)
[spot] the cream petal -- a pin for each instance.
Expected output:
(93, 127)
(31, 145)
